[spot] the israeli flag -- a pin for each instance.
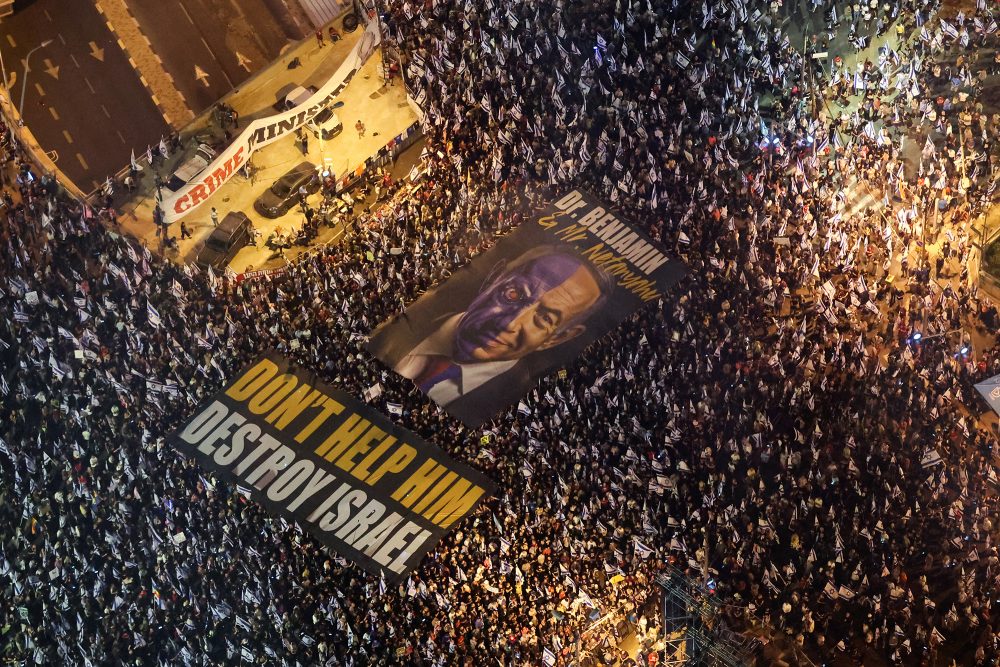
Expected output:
(152, 315)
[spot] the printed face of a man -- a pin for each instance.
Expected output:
(526, 310)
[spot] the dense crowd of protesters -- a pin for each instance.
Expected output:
(775, 417)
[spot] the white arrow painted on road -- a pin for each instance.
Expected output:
(96, 52)
(52, 69)
(243, 61)
(201, 75)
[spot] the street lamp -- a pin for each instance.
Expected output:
(27, 68)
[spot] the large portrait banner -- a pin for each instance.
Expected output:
(372, 491)
(478, 342)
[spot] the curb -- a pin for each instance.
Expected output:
(32, 148)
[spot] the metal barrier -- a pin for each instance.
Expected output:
(386, 154)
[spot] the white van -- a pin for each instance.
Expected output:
(325, 125)
(295, 97)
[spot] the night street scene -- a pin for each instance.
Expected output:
(565, 333)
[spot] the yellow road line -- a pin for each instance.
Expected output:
(83, 162)
(52, 111)
(68, 137)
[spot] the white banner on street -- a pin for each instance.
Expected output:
(263, 131)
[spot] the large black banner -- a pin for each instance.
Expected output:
(478, 343)
(372, 491)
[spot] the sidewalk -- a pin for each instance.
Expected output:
(383, 110)
(256, 258)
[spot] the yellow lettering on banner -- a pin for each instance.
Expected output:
(361, 471)
(328, 407)
(549, 221)
(438, 489)
(293, 406)
(275, 392)
(414, 487)
(394, 463)
(360, 446)
(252, 380)
(349, 430)
(458, 500)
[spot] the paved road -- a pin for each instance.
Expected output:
(210, 46)
(92, 110)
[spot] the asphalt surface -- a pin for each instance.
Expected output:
(210, 47)
(83, 100)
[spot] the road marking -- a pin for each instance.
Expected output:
(87, 81)
(201, 75)
(105, 110)
(184, 9)
(83, 162)
(73, 58)
(68, 137)
(120, 136)
(96, 52)
(53, 70)
(41, 91)
(10, 39)
(61, 39)
(228, 80)
(46, 12)
(12, 78)
(243, 61)
(52, 110)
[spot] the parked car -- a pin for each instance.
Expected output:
(326, 124)
(191, 167)
(284, 192)
(293, 95)
(234, 232)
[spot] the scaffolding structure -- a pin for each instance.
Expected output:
(694, 631)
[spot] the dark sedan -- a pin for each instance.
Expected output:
(284, 192)
(234, 232)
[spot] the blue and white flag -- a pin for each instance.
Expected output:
(990, 389)
(152, 315)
